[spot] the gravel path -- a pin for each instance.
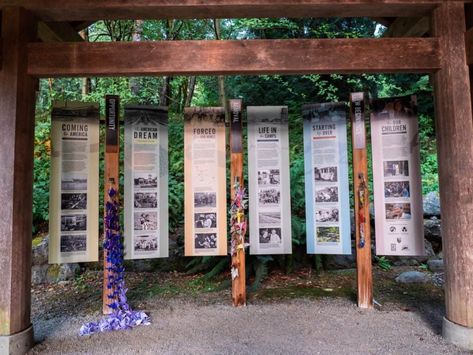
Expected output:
(321, 326)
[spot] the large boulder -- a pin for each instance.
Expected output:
(436, 265)
(432, 204)
(433, 233)
(40, 252)
(410, 277)
(64, 272)
(39, 274)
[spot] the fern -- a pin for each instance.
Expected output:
(261, 271)
(222, 265)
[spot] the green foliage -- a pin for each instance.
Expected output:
(291, 90)
(383, 263)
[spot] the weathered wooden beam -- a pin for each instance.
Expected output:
(455, 155)
(469, 46)
(57, 32)
(86, 10)
(233, 57)
(409, 27)
(17, 100)
(364, 268)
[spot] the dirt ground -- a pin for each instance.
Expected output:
(303, 313)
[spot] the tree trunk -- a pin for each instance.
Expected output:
(190, 91)
(221, 79)
(86, 86)
(136, 37)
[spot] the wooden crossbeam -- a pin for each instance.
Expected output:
(234, 57)
(409, 27)
(469, 46)
(57, 32)
(86, 10)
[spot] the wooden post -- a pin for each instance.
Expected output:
(362, 202)
(112, 178)
(238, 255)
(455, 156)
(17, 121)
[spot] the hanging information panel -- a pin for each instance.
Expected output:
(268, 180)
(205, 182)
(146, 182)
(326, 179)
(396, 174)
(74, 191)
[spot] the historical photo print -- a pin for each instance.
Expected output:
(205, 199)
(270, 236)
(146, 199)
(269, 197)
(74, 201)
(269, 217)
(269, 177)
(146, 243)
(396, 189)
(205, 220)
(73, 243)
(398, 168)
(145, 221)
(326, 174)
(328, 235)
(75, 222)
(326, 194)
(75, 183)
(329, 214)
(398, 211)
(205, 240)
(145, 180)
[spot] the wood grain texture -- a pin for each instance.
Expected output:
(234, 57)
(455, 155)
(86, 10)
(17, 100)
(236, 169)
(363, 254)
(111, 180)
(409, 27)
(57, 32)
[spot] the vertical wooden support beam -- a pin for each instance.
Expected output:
(17, 107)
(238, 246)
(455, 155)
(112, 180)
(362, 202)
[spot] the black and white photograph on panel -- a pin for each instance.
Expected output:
(74, 201)
(144, 180)
(326, 174)
(328, 235)
(205, 199)
(269, 197)
(396, 168)
(74, 183)
(146, 199)
(271, 177)
(269, 217)
(396, 189)
(145, 221)
(146, 243)
(328, 214)
(73, 243)
(205, 220)
(74, 222)
(270, 236)
(205, 240)
(326, 194)
(398, 211)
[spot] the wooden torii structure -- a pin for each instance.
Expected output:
(440, 43)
